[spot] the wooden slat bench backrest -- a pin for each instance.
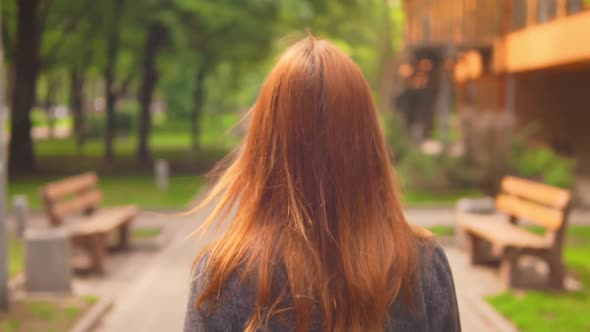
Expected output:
(541, 204)
(76, 194)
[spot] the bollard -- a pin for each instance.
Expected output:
(21, 213)
(161, 170)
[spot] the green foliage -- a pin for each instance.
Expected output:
(419, 171)
(94, 126)
(396, 134)
(438, 174)
(126, 118)
(537, 311)
(542, 164)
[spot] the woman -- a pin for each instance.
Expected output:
(317, 240)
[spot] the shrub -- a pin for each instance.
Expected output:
(94, 126)
(396, 135)
(542, 164)
(126, 118)
(419, 171)
(495, 149)
(487, 137)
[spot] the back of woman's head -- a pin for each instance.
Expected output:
(313, 192)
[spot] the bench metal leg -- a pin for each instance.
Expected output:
(556, 272)
(97, 251)
(480, 251)
(124, 235)
(509, 267)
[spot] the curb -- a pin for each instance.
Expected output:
(89, 321)
(488, 314)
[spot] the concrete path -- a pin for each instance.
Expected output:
(155, 300)
(152, 295)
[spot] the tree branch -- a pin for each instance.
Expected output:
(122, 90)
(69, 27)
(8, 46)
(44, 13)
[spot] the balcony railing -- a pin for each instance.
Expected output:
(479, 22)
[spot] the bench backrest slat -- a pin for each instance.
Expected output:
(534, 191)
(541, 204)
(72, 185)
(83, 202)
(543, 216)
(76, 194)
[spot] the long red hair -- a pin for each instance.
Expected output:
(312, 189)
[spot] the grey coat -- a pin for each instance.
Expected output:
(435, 303)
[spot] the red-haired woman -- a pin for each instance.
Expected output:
(316, 239)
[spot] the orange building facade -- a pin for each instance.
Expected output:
(527, 57)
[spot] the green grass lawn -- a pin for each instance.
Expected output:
(56, 315)
(414, 198)
(15, 256)
(120, 189)
(442, 230)
(537, 311)
(146, 233)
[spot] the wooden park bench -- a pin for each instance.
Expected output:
(90, 231)
(499, 238)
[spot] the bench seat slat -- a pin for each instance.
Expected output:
(103, 221)
(505, 234)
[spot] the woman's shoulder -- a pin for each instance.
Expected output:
(434, 264)
(438, 287)
(232, 305)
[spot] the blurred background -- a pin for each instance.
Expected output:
(150, 94)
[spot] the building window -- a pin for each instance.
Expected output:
(546, 10)
(518, 17)
(574, 6)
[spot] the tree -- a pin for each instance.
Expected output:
(109, 72)
(153, 44)
(42, 29)
(27, 64)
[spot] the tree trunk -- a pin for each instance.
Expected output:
(150, 79)
(77, 105)
(49, 106)
(198, 100)
(110, 100)
(109, 75)
(26, 71)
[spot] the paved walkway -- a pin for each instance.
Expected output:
(151, 294)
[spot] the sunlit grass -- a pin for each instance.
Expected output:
(418, 198)
(124, 189)
(146, 233)
(537, 311)
(442, 230)
(58, 315)
(15, 256)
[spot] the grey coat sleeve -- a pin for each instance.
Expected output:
(441, 299)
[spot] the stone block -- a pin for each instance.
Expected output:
(47, 261)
